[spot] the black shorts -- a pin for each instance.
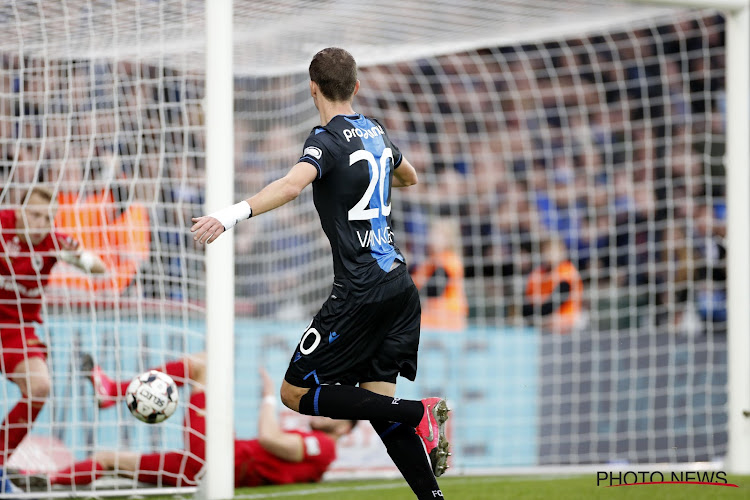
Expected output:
(372, 337)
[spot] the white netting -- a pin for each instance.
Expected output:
(604, 149)
(590, 132)
(119, 139)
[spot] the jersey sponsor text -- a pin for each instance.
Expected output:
(350, 133)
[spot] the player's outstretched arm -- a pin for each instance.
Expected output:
(284, 445)
(404, 175)
(72, 253)
(208, 227)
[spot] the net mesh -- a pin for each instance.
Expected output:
(571, 190)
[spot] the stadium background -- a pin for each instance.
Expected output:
(609, 139)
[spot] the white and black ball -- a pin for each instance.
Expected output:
(152, 397)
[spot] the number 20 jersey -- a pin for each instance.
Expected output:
(352, 194)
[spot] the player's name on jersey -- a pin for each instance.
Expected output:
(350, 133)
(379, 237)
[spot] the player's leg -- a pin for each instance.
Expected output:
(405, 449)
(169, 468)
(89, 470)
(190, 368)
(32, 377)
(373, 340)
(341, 340)
(180, 468)
(346, 402)
(174, 468)
(23, 361)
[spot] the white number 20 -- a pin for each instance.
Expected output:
(360, 210)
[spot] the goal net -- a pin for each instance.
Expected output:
(567, 232)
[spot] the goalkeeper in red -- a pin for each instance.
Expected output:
(29, 248)
(277, 456)
(367, 333)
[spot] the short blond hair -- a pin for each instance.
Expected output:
(45, 193)
(41, 191)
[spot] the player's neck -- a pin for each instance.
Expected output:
(329, 109)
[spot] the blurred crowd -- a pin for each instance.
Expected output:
(132, 131)
(610, 143)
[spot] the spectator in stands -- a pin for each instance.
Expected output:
(554, 290)
(276, 456)
(440, 279)
(711, 272)
(675, 277)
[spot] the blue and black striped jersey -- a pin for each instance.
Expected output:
(355, 161)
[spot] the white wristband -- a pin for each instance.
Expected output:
(269, 400)
(230, 216)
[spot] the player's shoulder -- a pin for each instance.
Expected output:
(321, 137)
(320, 133)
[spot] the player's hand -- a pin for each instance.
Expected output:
(206, 229)
(68, 244)
(268, 386)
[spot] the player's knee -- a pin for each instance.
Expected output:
(197, 368)
(38, 389)
(290, 395)
(106, 459)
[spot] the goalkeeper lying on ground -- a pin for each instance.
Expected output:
(276, 457)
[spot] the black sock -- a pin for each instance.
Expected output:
(353, 403)
(407, 452)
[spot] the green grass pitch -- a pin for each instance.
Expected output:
(498, 488)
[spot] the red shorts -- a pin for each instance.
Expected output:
(19, 343)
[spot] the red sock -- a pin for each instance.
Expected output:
(122, 387)
(85, 472)
(16, 425)
(178, 370)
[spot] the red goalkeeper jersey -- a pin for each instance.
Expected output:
(24, 272)
(254, 466)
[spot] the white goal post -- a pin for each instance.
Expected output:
(738, 203)
(218, 482)
(738, 180)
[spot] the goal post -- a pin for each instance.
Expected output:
(219, 108)
(738, 232)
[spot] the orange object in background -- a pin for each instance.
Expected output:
(449, 310)
(542, 282)
(120, 240)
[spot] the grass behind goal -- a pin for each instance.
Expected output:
(493, 488)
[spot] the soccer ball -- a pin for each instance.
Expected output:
(152, 397)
